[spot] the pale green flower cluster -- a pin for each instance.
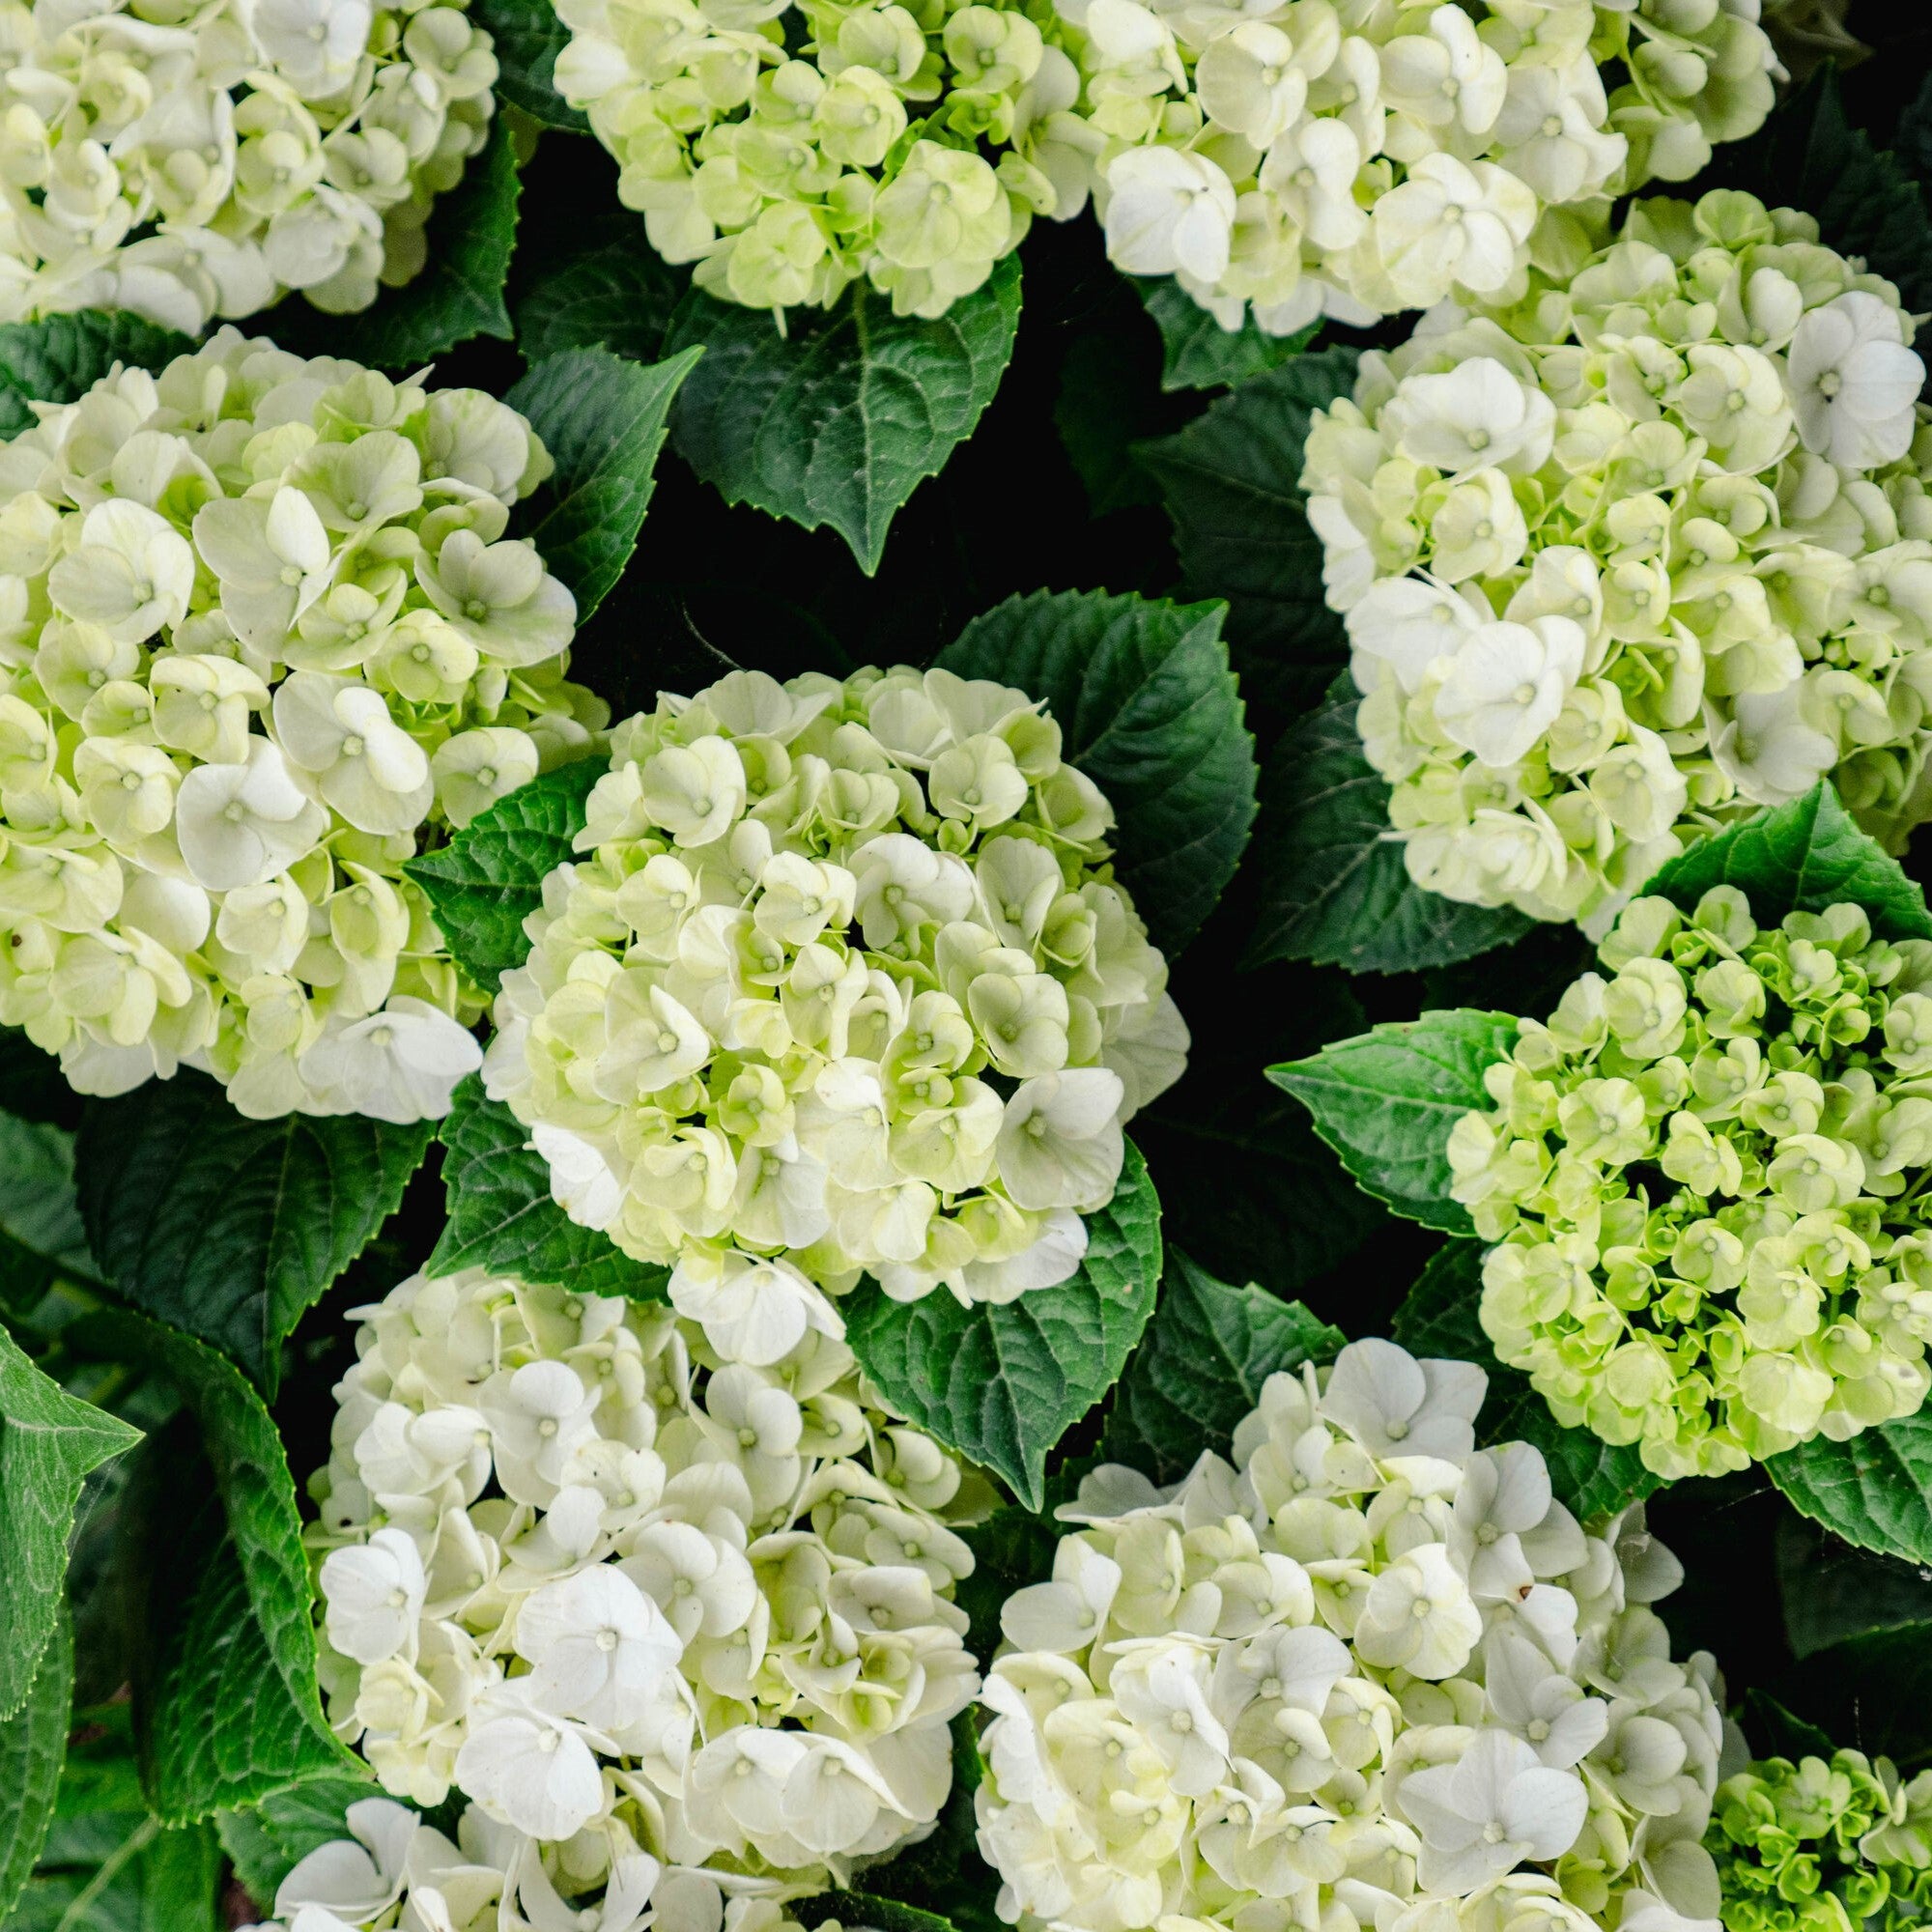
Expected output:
(1706, 1175)
(1636, 554)
(261, 634)
(1367, 1677)
(842, 982)
(793, 150)
(186, 161)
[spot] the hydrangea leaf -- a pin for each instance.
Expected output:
(1441, 1318)
(1874, 1491)
(859, 1908)
(1774, 1732)
(1011, 1549)
(226, 1704)
(35, 1087)
(228, 1228)
(59, 359)
(1240, 523)
(458, 295)
(1002, 1385)
(528, 38)
(40, 1236)
(620, 296)
(33, 1748)
(1387, 1100)
(1331, 882)
(1801, 857)
(1197, 352)
(501, 1216)
(48, 1442)
(489, 878)
(838, 420)
(1874, 1691)
(1106, 406)
(1831, 1591)
(602, 419)
(1199, 1367)
(1149, 709)
(270, 1838)
(108, 1864)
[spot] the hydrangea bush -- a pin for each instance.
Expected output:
(1703, 1177)
(1636, 549)
(1364, 1675)
(842, 981)
(606, 1586)
(187, 162)
(262, 635)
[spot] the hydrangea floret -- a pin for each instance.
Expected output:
(191, 161)
(1281, 157)
(842, 981)
(1365, 1676)
(1843, 1844)
(262, 635)
(577, 1568)
(396, 1870)
(1643, 550)
(1706, 1179)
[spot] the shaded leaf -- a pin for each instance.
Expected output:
(40, 1236)
(1831, 1591)
(1198, 353)
(621, 296)
(270, 1838)
(64, 356)
(1011, 1549)
(528, 38)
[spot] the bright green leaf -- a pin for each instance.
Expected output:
(602, 418)
(501, 1216)
(1331, 882)
(528, 38)
(840, 418)
(271, 1837)
(48, 1442)
(60, 358)
(619, 296)
(1240, 521)
(1801, 857)
(1002, 1385)
(227, 1228)
(1874, 1491)
(1198, 353)
(1149, 709)
(1441, 1318)
(33, 1747)
(489, 878)
(1199, 1367)
(1387, 1100)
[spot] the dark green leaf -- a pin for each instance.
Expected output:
(1331, 882)
(1002, 1385)
(1874, 1491)
(1774, 1732)
(35, 1087)
(267, 1840)
(60, 359)
(489, 878)
(1011, 1549)
(1198, 353)
(837, 420)
(528, 38)
(945, 1875)
(1801, 857)
(501, 1216)
(1831, 1591)
(1387, 1100)
(1097, 413)
(1241, 527)
(619, 296)
(459, 294)
(858, 1909)
(1199, 1367)
(227, 1228)
(602, 418)
(48, 1442)
(1441, 1318)
(1870, 1694)
(33, 1747)
(1149, 710)
(40, 1236)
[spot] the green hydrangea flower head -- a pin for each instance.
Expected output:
(1817, 1846)
(1632, 550)
(1707, 1177)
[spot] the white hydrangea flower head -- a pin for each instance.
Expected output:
(842, 981)
(236, 694)
(614, 1589)
(189, 162)
(1366, 1676)
(1633, 550)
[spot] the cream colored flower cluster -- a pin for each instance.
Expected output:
(261, 632)
(188, 161)
(1367, 1677)
(394, 1870)
(1643, 551)
(602, 1583)
(1706, 1180)
(844, 981)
